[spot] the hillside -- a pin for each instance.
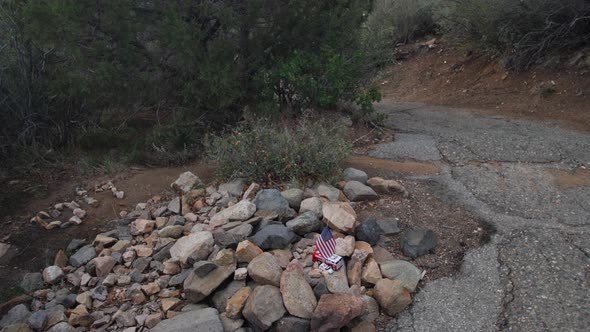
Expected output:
(445, 75)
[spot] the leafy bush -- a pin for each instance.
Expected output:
(264, 151)
(311, 80)
(524, 31)
(63, 63)
(396, 21)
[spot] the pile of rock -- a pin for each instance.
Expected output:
(109, 186)
(49, 220)
(56, 216)
(234, 261)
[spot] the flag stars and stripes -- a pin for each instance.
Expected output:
(326, 243)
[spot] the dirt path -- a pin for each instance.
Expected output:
(32, 248)
(452, 77)
(527, 180)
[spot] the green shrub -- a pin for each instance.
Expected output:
(545, 90)
(311, 80)
(524, 31)
(264, 151)
(396, 21)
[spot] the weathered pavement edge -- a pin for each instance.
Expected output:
(534, 275)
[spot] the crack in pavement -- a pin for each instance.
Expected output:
(539, 273)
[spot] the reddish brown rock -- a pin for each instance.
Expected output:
(340, 216)
(235, 304)
(104, 265)
(355, 267)
(246, 251)
(334, 311)
(371, 272)
(298, 296)
(61, 259)
(391, 296)
(141, 226)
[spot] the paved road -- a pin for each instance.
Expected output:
(534, 275)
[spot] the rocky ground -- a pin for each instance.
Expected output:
(229, 258)
(237, 257)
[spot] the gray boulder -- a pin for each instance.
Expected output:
(274, 237)
(265, 270)
(62, 327)
(75, 244)
(313, 204)
(353, 174)
(186, 181)
(174, 205)
(233, 236)
(82, 256)
(32, 282)
(368, 231)
(305, 223)
(356, 192)
(171, 231)
(418, 242)
(264, 307)
(328, 191)
(206, 320)
(18, 314)
(197, 288)
(388, 226)
(404, 271)
(219, 299)
(271, 200)
(233, 188)
(291, 323)
(294, 197)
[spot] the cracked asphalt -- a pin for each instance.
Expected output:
(534, 274)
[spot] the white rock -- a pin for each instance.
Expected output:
(191, 217)
(72, 205)
(76, 220)
(79, 213)
(241, 273)
(4, 249)
(52, 274)
(340, 216)
(91, 201)
(185, 182)
(243, 210)
(313, 204)
(198, 244)
(345, 246)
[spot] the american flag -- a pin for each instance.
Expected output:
(326, 243)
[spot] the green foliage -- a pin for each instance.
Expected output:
(264, 151)
(366, 99)
(64, 62)
(396, 21)
(545, 90)
(310, 80)
(524, 32)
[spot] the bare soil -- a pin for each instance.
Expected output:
(33, 247)
(457, 230)
(451, 77)
(383, 167)
(580, 177)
